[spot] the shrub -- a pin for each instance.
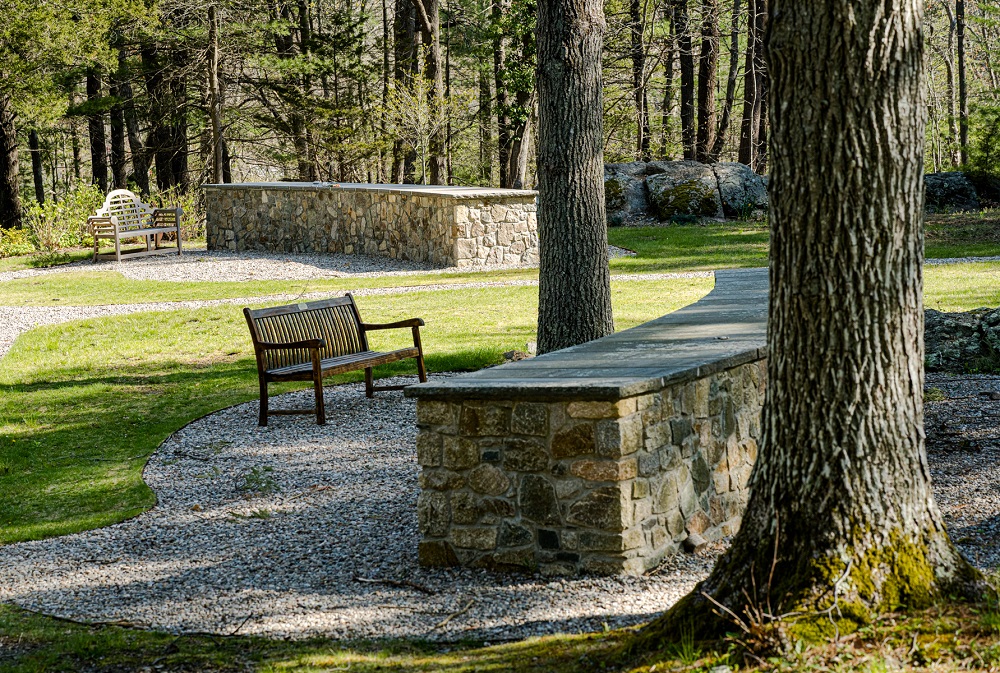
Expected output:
(63, 224)
(193, 220)
(14, 242)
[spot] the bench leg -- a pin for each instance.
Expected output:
(118, 249)
(421, 370)
(262, 419)
(369, 383)
(320, 403)
(178, 241)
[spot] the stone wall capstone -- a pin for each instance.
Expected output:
(442, 226)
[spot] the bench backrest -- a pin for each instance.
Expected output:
(336, 321)
(126, 208)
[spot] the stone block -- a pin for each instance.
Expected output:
(529, 418)
(466, 508)
(700, 474)
(666, 497)
(483, 420)
(514, 535)
(429, 448)
(433, 513)
(597, 565)
(604, 470)
(481, 538)
(648, 464)
(697, 522)
(460, 453)
(488, 479)
(499, 507)
(596, 410)
(548, 539)
(433, 412)
(576, 440)
(600, 508)
(525, 455)
(536, 498)
(640, 489)
(513, 560)
(440, 480)
(436, 554)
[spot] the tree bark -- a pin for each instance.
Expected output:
(95, 129)
(637, 27)
(504, 137)
(841, 514)
(429, 17)
(35, 149)
(118, 159)
(404, 67)
(727, 108)
(708, 66)
(963, 93)
(485, 127)
(682, 30)
(668, 86)
(214, 94)
(10, 180)
(753, 84)
(574, 295)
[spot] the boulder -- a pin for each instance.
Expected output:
(681, 189)
(625, 192)
(953, 340)
(742, 192)
(949, 192)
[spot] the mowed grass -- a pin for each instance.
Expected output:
(83, 404)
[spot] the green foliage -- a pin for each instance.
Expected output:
(63, 224)
(15, 242)
(984, 148)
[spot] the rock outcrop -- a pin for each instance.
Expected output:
(949, 192)
(962, 342)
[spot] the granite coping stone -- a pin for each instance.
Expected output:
(418, 190)
(725, 329)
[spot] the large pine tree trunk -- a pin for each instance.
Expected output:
(727, 108)
(429, 15)
(841, 513)
(753, 83)
(140, 164)
(963, 91)
(682, 29)
(637, 27)
(574, 295)
(404, 67)
(708, 65)
(10, 182)
(95, 128)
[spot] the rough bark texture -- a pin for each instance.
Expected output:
(637, 24)
(963, 92)
(708, 65)
(429, 18)
(841, 515)
(574, 295)
(214, 94)
(727, 108)
(753, 84)
(682, 29)
(10, 184)
(404, 67)
(140, 164)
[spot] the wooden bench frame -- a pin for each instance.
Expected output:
(123, 215)
(305, 342)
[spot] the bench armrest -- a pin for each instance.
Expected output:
(178, 210)
(305, 343)
(411, 322)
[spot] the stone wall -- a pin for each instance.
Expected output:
(443, 226)
(602, 487)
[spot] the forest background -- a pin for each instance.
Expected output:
(161, 97)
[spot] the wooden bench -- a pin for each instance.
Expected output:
(305, 342)
(124, 216)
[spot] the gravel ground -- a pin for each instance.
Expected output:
(963, 448)
(274, 530)
(202, 265)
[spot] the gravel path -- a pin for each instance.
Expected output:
(273, 526)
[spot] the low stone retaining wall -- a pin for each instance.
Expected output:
(601, 458)
(444, 226)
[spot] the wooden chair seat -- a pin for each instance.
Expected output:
(339, 365)
(305, 342)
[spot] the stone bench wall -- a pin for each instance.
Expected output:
(602, 487)
(439, 225)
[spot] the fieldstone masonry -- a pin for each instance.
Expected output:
(601, 458)
(444, 226)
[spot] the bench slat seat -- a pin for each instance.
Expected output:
(308, 341)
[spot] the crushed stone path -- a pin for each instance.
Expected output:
(300, 530)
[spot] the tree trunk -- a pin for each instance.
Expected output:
(734, 65)
(841, 515)
(404, 67)
(753, 82)
(668, 86)
(485, 127)
(574, 295)
(500, 7)
(708, 65)
(10, 181)
(95, 129)
(140, 163)
(118, 159)
(682, 30)
(637, 26)
(429, 16)
(963, 93)
(214, 94)
(35, 149)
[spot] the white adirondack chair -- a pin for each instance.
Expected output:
(124, 216)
